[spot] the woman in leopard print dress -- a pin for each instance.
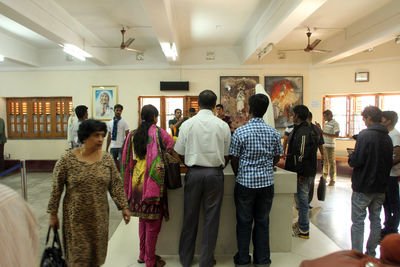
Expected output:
(88, 174)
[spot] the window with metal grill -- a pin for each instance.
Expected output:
(347, 109)
(38, 117)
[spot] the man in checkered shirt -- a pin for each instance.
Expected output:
(255, 149)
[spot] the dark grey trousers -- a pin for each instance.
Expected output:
(202, 186)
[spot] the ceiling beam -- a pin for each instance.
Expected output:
(19, 51)
(162, 17)
(48, 19)
(375, 29)
(278, 20)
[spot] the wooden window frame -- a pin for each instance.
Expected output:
(38, 117)
(188, 102)
(349, 132)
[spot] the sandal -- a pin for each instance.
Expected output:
(159, 263)
(157, 259)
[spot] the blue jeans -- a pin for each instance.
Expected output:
(392, 206)
(253, 204)
(116, 154)
(359, 204)
(301, 197)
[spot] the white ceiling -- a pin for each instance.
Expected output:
(235, 30)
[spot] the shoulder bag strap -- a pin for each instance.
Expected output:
(48, 234)
(162, 146)
(56, 238)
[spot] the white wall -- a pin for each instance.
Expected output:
(131, 84)
(318, 81)
(339, 79)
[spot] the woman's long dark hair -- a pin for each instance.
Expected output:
(141, 137)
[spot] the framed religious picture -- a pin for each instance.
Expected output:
(104, 97)
(235, 92)
(285, 92)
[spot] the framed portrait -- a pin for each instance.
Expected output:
(361, 77)
(235, 92)
(104, 97)
(285, 92)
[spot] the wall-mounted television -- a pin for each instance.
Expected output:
(174, 86)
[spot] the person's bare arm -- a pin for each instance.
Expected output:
(396, 153)
(227, 158)
(321, 150)
(235, 164)
(173, 126)
(284, 145)
(108, 141)
(331, 135)
(276, 159)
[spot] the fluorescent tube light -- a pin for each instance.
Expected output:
(76, 52)
(169, 50)
(265, 50)
(1, 58)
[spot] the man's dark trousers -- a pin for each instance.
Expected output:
(392, 206)
(253, 204)
(202, 184)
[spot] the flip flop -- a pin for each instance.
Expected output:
(142, 261)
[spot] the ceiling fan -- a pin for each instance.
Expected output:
(124, 45)
(310, 47)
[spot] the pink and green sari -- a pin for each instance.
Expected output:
(144, 178)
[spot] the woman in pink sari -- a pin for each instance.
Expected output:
(143, 171)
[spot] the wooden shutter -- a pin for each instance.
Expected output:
(38, 117)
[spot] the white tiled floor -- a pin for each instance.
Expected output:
(123, 249)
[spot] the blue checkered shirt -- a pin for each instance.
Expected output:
(256, 144)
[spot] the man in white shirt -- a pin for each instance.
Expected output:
(392, 201)
(203, 143)
(118, 129)
(81, 112)
(71, 121)
(330, 132)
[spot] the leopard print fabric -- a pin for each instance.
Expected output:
(85, 206)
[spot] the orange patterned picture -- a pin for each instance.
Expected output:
(286, 92)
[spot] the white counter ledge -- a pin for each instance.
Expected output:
(281, 217)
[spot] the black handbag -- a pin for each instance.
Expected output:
(321, 189)
(172, 167)
(53, 256)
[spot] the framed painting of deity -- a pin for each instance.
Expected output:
(235, 92)
(285, 92)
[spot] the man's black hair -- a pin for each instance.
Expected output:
(118, 106)
(192, 110)
(258, 105)
(391, 116)
(374, 112)
(81, 111)
(327, 112)
(309, 115)
(176, 110)
(207, 99)
(220, 106)
(301, 111)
